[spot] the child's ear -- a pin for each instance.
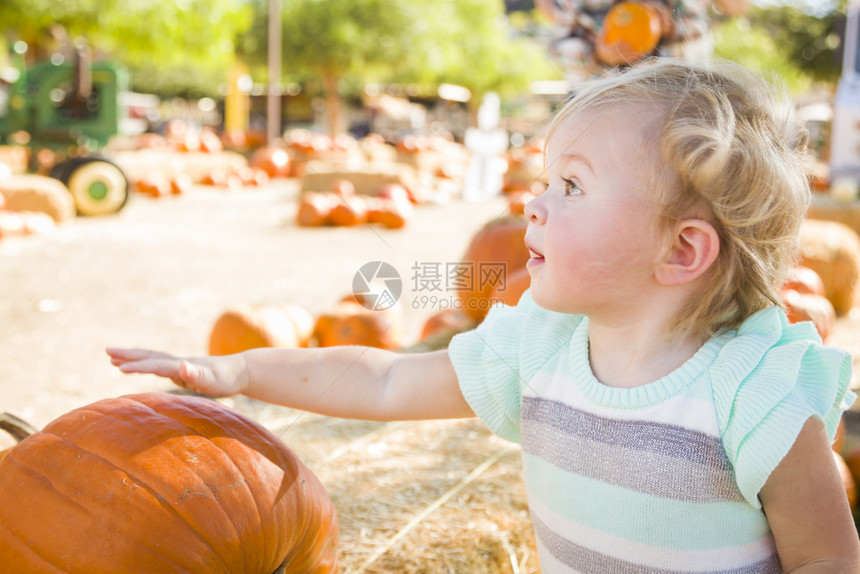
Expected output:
(695, 246)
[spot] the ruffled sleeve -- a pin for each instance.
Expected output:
(767, 382)
(496, 360)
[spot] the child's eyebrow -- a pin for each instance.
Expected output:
(576, 157)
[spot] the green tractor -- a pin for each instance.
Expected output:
(70, 109)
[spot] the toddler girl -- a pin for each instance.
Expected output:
(671, 420)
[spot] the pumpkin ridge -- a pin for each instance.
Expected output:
(261, 439)
(35, 556)
(47, 480)
(214, 417)
(17, 536)
(265, 543)
(164, 502)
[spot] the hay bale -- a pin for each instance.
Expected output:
(367, 179)
(832, 250)
(829, 209)
(138, 164)
(40, 194)
(15, 156)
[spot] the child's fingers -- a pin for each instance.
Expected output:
(117, 353)
(162, 367)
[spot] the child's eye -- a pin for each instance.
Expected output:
(571, 187)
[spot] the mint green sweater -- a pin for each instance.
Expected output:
(662, 477)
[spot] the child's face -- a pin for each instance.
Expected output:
(593, 235)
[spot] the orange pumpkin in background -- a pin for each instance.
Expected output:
(809, 307)
(275, 161)
(804, 280)
(249, 327)
(446, 321)
(498, 246)
(314, 208)
(348, 211)
(351, 323)
(631, 31)
(512, 289)
(156, 482)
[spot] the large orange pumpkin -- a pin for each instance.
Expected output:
(248, 327)
(497, 250)
(161, 483)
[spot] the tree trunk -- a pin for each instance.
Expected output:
(334, 113)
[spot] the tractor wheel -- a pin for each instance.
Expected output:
(98, 186)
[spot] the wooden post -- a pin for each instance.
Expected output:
(273, 99)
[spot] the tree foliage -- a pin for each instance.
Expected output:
(466, 42)
(800, 46)
(178, 43)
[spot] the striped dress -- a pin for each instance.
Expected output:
(661, 478)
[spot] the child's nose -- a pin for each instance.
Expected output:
(534, 210)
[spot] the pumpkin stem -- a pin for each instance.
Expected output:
(18, 428)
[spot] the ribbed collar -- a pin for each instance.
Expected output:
(643, 395)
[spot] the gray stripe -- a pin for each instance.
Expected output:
(582, 559)
(658, 459)
(650, 472)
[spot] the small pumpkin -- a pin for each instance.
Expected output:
(389, 212)
(631, 30)
(156, 482)
(809, 307)
(314, 208)
(348, 211)
(351, 323)
(249, 327)
(275, 161)
(495, 251)
(180, 184)
(804, 280)
(446, 321)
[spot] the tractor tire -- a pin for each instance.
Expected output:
(98, 186)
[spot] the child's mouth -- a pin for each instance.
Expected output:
(535, 256)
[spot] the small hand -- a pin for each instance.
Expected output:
(213, 376)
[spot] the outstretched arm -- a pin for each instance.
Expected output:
(807, 508)
(348, 381)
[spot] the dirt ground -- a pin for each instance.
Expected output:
(160, 272)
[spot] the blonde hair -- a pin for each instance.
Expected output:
(726, 152)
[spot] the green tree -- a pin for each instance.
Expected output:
(168, 44)
(800, 46)
(350, 42)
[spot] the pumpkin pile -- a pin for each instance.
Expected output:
(156, 482)
(348, 322)
(391, 207)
